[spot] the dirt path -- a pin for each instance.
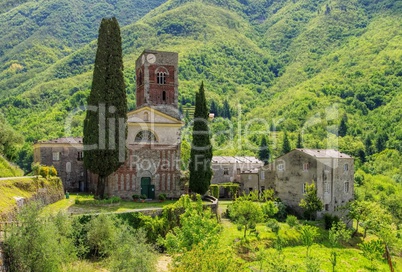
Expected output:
(163, 263)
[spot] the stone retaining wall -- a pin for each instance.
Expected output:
(2, 259)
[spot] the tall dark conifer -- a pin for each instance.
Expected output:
(214, 108)
(263, 153)
(286, 144)
(343, 127)
(299, 143)
(226, 110)
(201, 148)
(105, 129)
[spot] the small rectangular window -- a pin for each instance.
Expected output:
(305, 167)
(238, 171)
(346, 167)
(326, 187)
(226, 171)
(80, 156)
(262, 175)
(326, 207)
(346, 187)
(56, 156)
(304, 187)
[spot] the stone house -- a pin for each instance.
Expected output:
(66, 155)
(152, 166)
(330, 170)
(250, 181)
(228, 169)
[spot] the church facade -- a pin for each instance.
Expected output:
(153, 161)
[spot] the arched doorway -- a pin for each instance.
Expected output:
(147, 188)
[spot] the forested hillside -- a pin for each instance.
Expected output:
(296, 65)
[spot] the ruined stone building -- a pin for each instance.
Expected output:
(228, 168)
(152, 166)
(330, 170)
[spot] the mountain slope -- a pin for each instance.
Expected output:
(292, 65)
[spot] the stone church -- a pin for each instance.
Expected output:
(152, 166)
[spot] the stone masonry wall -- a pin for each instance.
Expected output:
(2, 259)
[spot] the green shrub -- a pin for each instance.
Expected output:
(330, 220)
(292, 221)
(114, 199)
(162, 197)
(101, 235)
(269, 209)
(282, 211)
(289, 237)
(132, 252)
(214, 188)
(273, 225)
(136, 197)
(38, 243)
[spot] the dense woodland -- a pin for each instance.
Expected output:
(325, 73)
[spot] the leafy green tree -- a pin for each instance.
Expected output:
(201, 148)
(132, 251)
(263, 153)
(285, 144)
(336, 235)
(373, 217)
(185, 149)
(105, 129)
(9, 139)
(308, 234)
(343, 127)
(381, 142)
(101, 235)
(269, 209)
(311, 203)
(373, 251)
(357, 211)
(245, 213)
(39, 243)
(198, 228)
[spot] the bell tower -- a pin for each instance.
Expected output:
(157, 81)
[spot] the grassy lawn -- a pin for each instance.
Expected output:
(70, 206)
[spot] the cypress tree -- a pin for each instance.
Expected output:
(105, 129)
(286, 144)
(368, 144)
(201, 148)
(226, 110)
(343, 127)
(299, 141)
(213, 109)
(381, 142)
(263, 153)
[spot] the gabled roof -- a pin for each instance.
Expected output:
(153, 111)
(235, 159)
(324, 153)
(64, 140)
